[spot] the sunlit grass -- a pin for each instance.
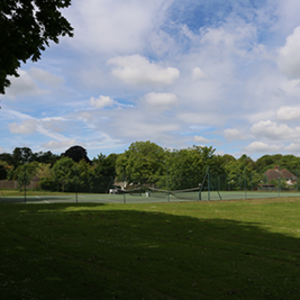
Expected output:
(212, 250)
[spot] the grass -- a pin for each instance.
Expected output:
(10, 193)
(192, 250)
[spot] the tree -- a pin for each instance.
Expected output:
(46, 157)
(104, 172)
(241, 172)
(4, 169)
(22, 156)
(77, 153)
(63, 174)
(27, 27)
(7, 157)
(142, 163)
(24, 173)
(187, 167)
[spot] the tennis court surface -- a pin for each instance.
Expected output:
(147, 197)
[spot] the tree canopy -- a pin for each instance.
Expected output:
(143, 164)
(27, 27)
(77, 153)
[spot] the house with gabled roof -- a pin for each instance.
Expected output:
(277, 173)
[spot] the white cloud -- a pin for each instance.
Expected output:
(23, 85)
(261, 114)
(45, 77)
(288, 113)
(101, 102)
(137, 70)
(232, 134)
(27, 83)
(260, 147)
(273, 131)
(199, 117)
(289, 55)
(201, 139)
(26, 127)
(56, 124)
(231, 38)
(293, 148)
(161, 100)
(177, 77)
(115, 26)
(61, 145)
(198, 74)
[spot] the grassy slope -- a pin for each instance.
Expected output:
(219, 250)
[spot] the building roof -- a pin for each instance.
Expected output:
(277, 173)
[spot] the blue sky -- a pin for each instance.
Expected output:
(178, 73)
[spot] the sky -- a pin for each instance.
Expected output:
(214, 73)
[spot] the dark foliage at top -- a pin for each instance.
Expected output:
(77, 153)
(27, 27)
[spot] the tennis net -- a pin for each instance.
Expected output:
(132, 192)
(188, 194)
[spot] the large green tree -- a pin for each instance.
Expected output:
(104, 172)
(64, 174)
(142, 163)
(27, 27)
(186, 168)
(241, 174)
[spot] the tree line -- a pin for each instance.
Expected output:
(143, 163)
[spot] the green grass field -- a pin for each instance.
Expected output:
(184, 250)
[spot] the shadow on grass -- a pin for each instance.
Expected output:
(83, 252)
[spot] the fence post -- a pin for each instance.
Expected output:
(168, 194)
(297, 179)
(208, 179)
(228, 180)
(245, 182)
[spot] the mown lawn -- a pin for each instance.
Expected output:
(197, 250)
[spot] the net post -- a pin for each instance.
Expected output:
(76, 193)
(124, 194)
(203, 181)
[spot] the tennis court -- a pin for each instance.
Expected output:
(149, 197)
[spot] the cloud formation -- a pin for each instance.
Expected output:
(26, 127)
(232, 134)
(287, 113)
(201, 140)
(261, 147)
(289, 55)
(273, 131)
(198, 74)
(101, 102)
(161, 101)
(137, 70)
(216, 73)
